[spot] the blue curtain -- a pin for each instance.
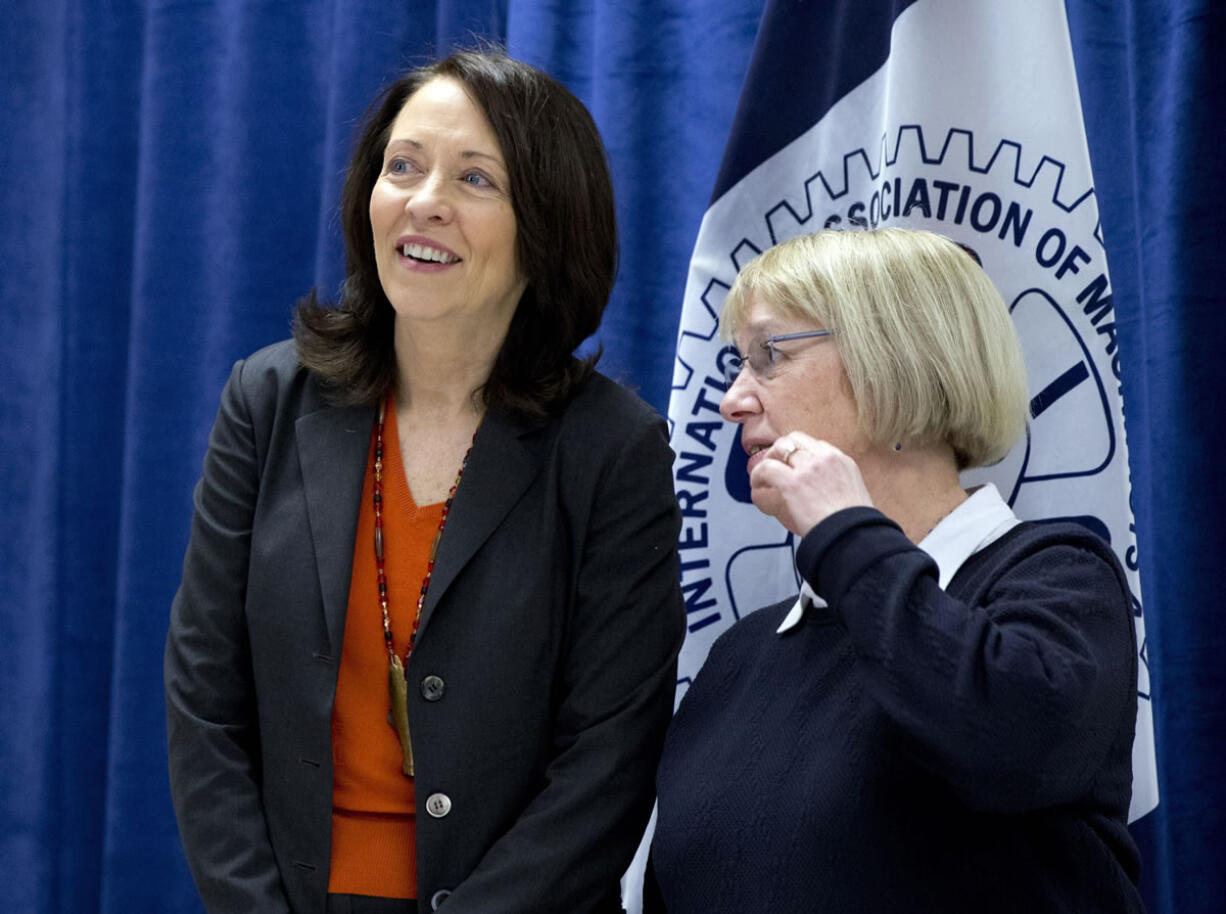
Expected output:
(1153, 87)
(170, 179)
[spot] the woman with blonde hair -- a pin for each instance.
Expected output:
(942, 720)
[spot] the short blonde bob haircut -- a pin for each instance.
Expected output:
(928, 346)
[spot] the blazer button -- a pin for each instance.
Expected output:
(438, 805)
(438, 898)
(432, 688)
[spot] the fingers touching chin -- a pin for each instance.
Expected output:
(765, 499)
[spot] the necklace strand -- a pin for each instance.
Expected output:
(380, 565)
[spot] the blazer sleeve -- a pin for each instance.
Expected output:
(210, 702)
(568, 848)
(1015, 698)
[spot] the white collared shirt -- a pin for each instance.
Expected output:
(975, 524)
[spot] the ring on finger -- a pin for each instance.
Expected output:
(792, 448)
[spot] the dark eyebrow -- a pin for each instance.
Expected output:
(465, 154)
(476, 154)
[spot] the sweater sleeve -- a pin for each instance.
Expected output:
(1015, 697)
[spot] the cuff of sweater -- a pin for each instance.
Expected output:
(834, 554)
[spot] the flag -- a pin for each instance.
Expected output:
(956, 116)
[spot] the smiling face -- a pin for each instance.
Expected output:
(808, 391)
(441, 216)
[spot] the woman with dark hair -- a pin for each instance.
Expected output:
(423, 652)
(942, 719)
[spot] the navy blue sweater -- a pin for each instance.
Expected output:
(908, 748)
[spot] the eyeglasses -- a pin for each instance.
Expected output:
(763, 357)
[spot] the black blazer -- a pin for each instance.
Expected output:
(553, 619)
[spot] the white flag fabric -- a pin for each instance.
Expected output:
(966, 121)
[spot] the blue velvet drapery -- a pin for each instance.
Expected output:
(170, 179)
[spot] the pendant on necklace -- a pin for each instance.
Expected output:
(398, 691)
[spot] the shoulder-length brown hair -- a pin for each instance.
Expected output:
(566, 242)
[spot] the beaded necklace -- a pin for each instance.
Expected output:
(397, 684)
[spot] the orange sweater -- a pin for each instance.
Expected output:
(374, 841)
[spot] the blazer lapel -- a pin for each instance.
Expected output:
(500, 469)
(333, 444)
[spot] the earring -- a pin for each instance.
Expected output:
(898, 445)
